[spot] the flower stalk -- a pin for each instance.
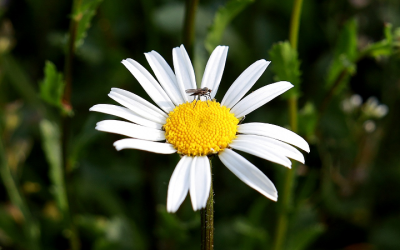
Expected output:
(286, 200)
(207, 221)
(189, 25)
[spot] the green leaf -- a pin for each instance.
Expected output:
(51, 143)
(222, 18)
(345, 53)
(286, 66)
(84, 15)
(52, 86)
(383, 47)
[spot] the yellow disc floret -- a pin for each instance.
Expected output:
(204, 129)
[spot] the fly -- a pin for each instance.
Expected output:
(197, 93)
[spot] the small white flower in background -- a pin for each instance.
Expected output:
(196, 132)
(373, 109)
(369, 126)
(356, 100)
(351, 104)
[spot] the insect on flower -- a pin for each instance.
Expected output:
(197, 93)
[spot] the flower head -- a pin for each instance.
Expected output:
(198, 129)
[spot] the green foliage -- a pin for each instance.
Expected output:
(51, 143)
(286, 66)
(308, 116)
(386, 47)
(11, 233)
(114, 233)
(345, 53)
(52, 85)
(84, 15)
(30, 228)
(222, 18)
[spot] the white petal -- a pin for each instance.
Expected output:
(126, 114)
(248, 173)
(138, 99)
(259, 98)
(179, 184)
(261, 151)
(155, 147)
(275, 132)
(214, 69)
(138, 108)
(131, 130)
(149, 84)
(165, 76)
(200, 182)
(244, 83)
(184, 71)
(274, 146)
(189, 66)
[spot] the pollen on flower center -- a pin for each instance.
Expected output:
(200, 130)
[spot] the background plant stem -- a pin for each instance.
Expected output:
(286, 197)
(295, 23)
(73, 26)
(189, 25)
(30, 227)
(76, 16)
(207, 221)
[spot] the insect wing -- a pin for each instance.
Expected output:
(191, 91)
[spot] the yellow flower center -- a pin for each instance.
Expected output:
(200, 130)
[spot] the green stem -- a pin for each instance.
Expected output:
(295, 23)
(30, 227)
(286, 200)
(73, 27)
(76, 17)
(189, 25)
(207, 221)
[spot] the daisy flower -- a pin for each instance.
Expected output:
(197, 131)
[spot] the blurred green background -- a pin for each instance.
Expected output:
(346, 196)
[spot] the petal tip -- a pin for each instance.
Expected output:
(117, 146)
(290, 84)
(171, 210)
